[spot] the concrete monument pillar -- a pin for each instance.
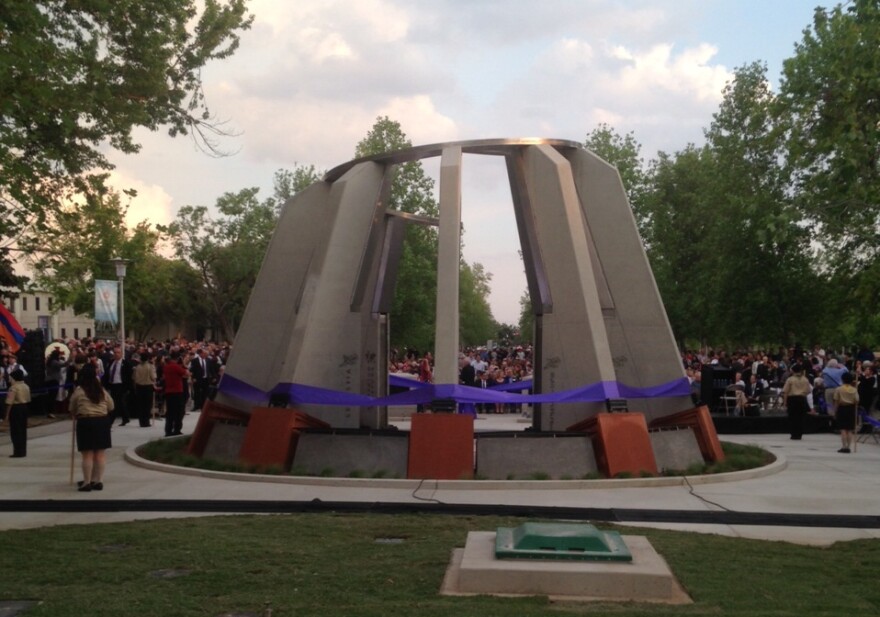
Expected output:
(448, 259)
(574, 349)
(318, 312)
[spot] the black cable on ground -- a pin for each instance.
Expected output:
(611, 515)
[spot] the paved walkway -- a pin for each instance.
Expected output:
(812, 479)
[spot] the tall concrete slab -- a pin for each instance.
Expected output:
(291, 264)
(318, 312)
(575, 350)
(448, 259)
(327, 342)
(299, 325)
(643, 347)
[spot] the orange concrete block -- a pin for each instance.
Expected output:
(621, 443)
(441, 446)
(272, 435)
(211, 414)
(700, 421)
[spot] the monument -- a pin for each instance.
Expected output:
(318, 314)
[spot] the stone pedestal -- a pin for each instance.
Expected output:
(475, 570)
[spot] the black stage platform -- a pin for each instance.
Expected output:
(767, 422)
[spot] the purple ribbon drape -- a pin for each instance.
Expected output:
(422, 393)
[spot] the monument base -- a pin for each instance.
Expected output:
(474, 570)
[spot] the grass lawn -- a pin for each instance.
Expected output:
(326, 564)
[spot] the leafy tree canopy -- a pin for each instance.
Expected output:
(75, 76)
(412, 191)
(226, 245)
(830, 103)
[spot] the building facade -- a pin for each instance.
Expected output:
(35, 311)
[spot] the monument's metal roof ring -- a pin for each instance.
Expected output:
(495, 147)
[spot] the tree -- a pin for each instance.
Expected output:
(159, 291)
(679, 241)
(476, 325)
(830, 105)
(77, 247)
(226, 251)
(624, 153)
(78, 243)
(412, 315)
(289, 182)
(76, 76)
(729, 251)
(765, 244)
(526, 318)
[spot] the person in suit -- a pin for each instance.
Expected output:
(466, 377)
(754, 392)
(119, 382)
(482, 381)
(200, 368)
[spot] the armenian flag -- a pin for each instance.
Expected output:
(10, 330)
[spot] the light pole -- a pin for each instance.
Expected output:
(120, 264)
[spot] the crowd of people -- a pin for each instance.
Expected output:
(98, 383)
(478, 367)
(836, 383)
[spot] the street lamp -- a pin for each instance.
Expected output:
(120, 264)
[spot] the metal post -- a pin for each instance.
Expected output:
(120, 274)
(121, 311)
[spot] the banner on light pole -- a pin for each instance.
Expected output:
(106, 304)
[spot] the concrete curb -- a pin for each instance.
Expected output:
(775, 467)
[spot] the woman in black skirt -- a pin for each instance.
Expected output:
(846, 401)
(90, 406)
(794, 398)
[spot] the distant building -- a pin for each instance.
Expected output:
(35, 311)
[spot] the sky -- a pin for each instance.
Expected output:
(312, 76)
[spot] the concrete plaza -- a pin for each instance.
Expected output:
(809, 477)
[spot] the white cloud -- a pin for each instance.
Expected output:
(420, 120)
(312, 76)
(151, 204)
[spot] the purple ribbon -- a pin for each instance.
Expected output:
(421, 393)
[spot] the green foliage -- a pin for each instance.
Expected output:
(76, 248)
(508, 334)
(289, 182)
(226, 251)
(763, 238)
(75, 77)
(830, 107)
(77, 244)
(526, 319)
(677, 242)
(624, 152)
(412, 316)
(729, 250)
(161, 291)
(476, 325)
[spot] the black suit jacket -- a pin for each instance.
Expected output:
(127, 374)
(195, 369)
(467, 376)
